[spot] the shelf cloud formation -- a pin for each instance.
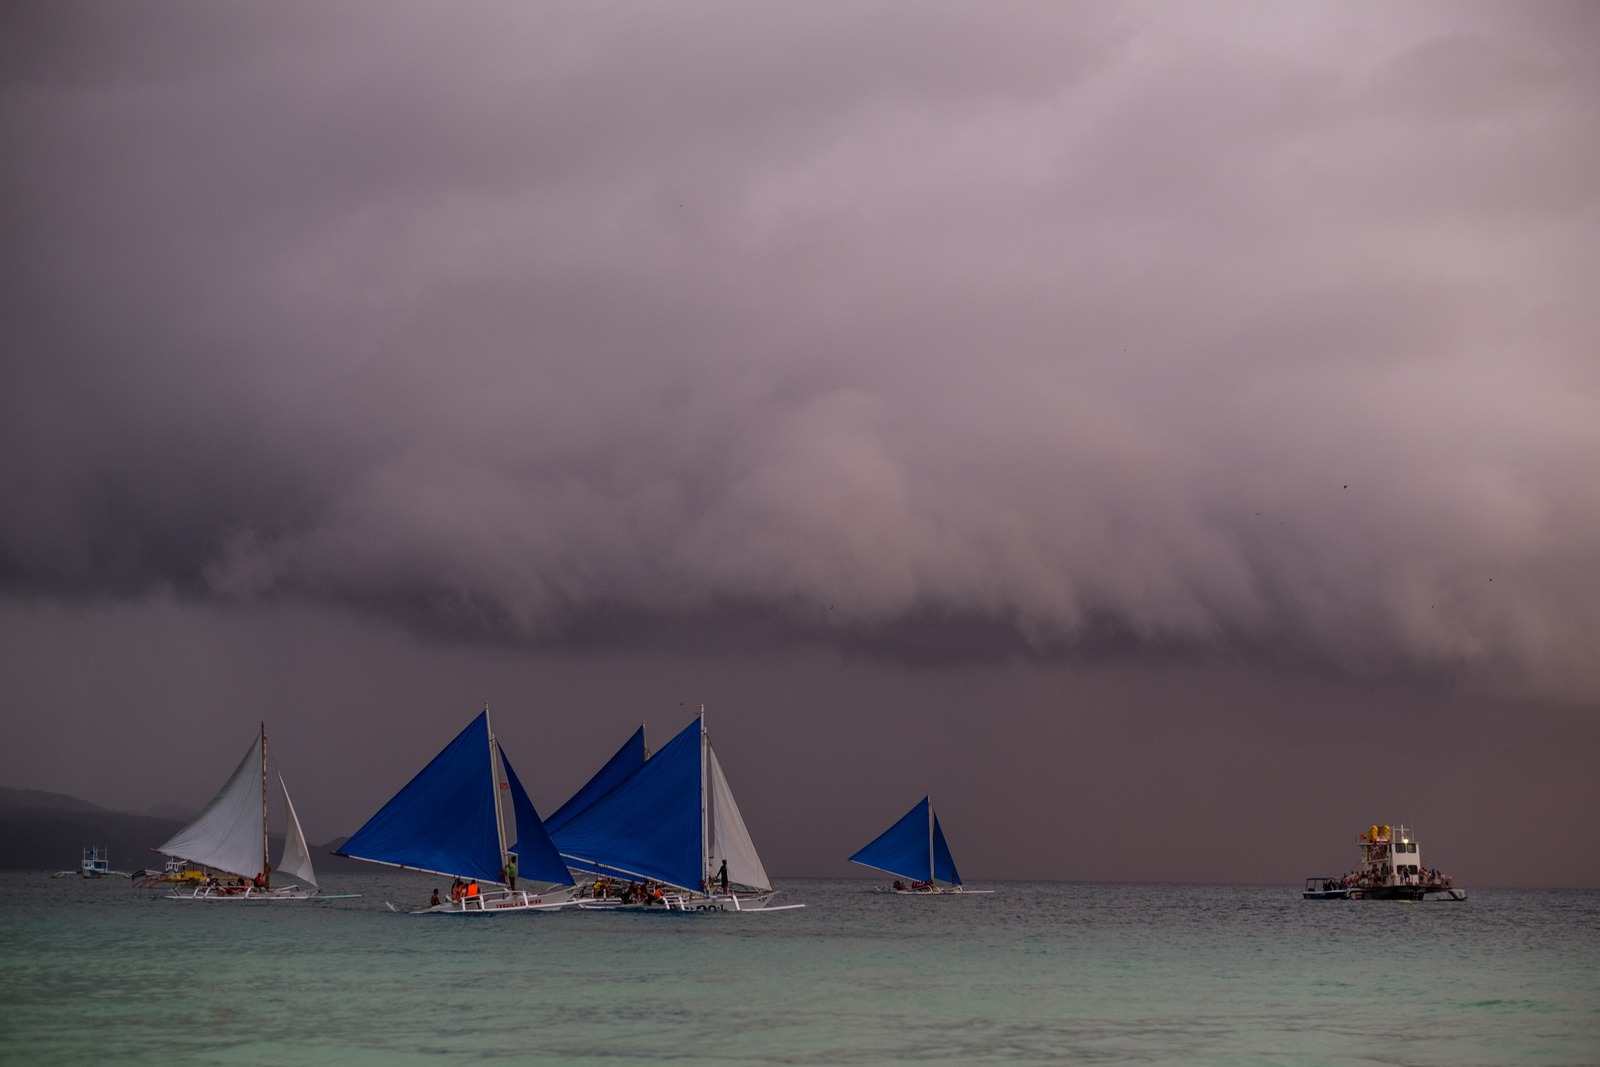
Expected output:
(924, 333)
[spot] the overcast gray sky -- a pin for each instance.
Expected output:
(1129, 422)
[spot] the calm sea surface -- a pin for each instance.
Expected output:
(99, 972)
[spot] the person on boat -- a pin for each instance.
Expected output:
(472, 889)
(899, 886)
(657, 896)
(455, 890)
(433, 901)
(509, 873)
(722, 875)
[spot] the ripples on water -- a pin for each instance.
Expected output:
(1038, 972)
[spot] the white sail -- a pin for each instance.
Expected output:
(229, 835)
(296, 858)
(728, 838)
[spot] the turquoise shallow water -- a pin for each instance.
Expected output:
(1038, 972)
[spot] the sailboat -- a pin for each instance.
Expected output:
(668, 821)
(914, 849)
(230, 837)
(451, 820)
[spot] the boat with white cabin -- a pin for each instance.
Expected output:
(1390, 869)
(96, 863)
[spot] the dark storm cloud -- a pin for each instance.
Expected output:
(1251, 331)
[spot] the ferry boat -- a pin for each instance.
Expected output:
(1391, 869)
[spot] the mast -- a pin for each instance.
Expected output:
(265, 867)
(705, 827)
(494, 778)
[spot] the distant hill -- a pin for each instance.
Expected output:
(41, 831)
(39, 800)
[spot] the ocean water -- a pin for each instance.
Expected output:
(100, 972)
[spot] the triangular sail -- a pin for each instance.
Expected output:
(231, 832)
(537, 858)
(443, 820)
(914, 847)
(943, 865)
(296, 859)
(725, 830)
(646, 826)
(629, 758)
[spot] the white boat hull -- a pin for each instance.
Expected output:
(498, 903)
(250, 894)
(694, 902)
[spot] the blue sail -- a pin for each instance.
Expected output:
(629, 758)
(943, 865)
(914, 847)
(537, 858)
(444, 819)
(646, 826)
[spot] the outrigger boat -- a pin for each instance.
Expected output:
(449, 820)
(175, 870)
(230, 837)
(663, 832)
(1391, 869)
(915, 852)
(96, 863)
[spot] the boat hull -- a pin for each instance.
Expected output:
(498, 903)
(244, 894)
(693, 902)
(1413, 893)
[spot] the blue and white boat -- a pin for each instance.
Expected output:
(230, 837)
(663, 831)
(450, 820)
(96, 863)
(915, 852)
